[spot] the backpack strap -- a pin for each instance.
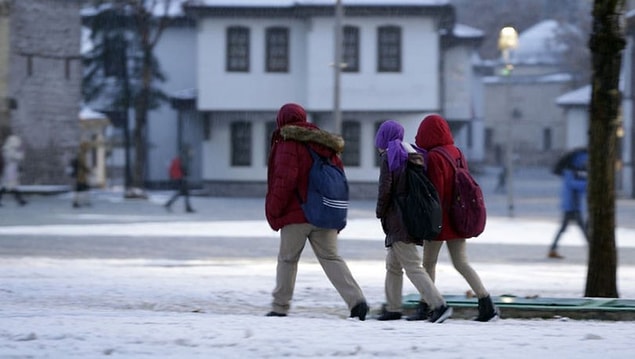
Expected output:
(456, 163)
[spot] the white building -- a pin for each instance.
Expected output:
(403, 59)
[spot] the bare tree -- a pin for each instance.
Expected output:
(149, 28)
(606, 44)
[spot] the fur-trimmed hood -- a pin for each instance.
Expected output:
(313, 134)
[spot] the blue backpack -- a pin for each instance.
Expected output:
(326, 203)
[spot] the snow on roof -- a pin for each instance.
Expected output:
(516, 79)
(184, 94)
(175, 8)
(538, 44)
(88, 114)
(465, 31)
(580, 97)
(287, 3)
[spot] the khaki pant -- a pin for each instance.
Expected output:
(324, 243)
(458, 254)
(405, 256)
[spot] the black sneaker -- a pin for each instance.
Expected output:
(275, 314)
(422, 313)
(440, 314)
(359, 311)
(389, 316)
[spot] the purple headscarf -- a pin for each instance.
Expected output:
(389, 137)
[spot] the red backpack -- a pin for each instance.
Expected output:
(467, 209)
(176, 172)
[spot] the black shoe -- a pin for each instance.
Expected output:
(275, 314)
(486, 310)
(189, 210)
(440, 314)
(389, 316)
(75, 205)
(359, 311)
(422, 313)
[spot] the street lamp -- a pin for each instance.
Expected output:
(337, 66)
(507, 41)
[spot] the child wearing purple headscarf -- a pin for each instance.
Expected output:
(402, 253)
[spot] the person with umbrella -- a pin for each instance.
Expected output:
(572, 167)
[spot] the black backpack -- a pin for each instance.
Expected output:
(419, 205)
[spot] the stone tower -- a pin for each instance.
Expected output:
(40, 83)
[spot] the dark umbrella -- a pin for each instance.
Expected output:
(566, 160)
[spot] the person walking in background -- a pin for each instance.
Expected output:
(81, 173)
(501, 185)
(178, 172)
(573, 169)
(288, 169)
(402, 253)
(435, 132)
(12, 155)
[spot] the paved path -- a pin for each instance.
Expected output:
(536, 197)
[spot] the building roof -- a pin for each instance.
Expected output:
(286, 3)
(301, 8)
(539, 44)
(579, 97)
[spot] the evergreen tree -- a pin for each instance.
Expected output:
(121, 71)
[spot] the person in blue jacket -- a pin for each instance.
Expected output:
(573, 196)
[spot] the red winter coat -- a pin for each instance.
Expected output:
(289, 164)
(434, 132)
(176, 169)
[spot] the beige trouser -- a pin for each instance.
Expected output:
(405, 256)
(458, 254)
(324, 243)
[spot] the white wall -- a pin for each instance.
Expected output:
(176, 52)
(310, 80)
(457, 74)
(577, 127)
(254, 90)
(414, 88)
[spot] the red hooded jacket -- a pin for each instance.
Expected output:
(290, 162)
(434, 132)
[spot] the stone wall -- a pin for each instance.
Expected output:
(45, 82)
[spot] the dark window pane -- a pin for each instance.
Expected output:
(241, 143)
(237, 49)
(351, 131)
(350, 53)
(546, 139)
(389, 49)
(277, 49)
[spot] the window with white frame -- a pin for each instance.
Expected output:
(351, 131)
(241, 143)
(389, 49)
(237, 49)
(350, 51)
(277, 48)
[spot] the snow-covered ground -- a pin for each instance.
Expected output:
(214, 307)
